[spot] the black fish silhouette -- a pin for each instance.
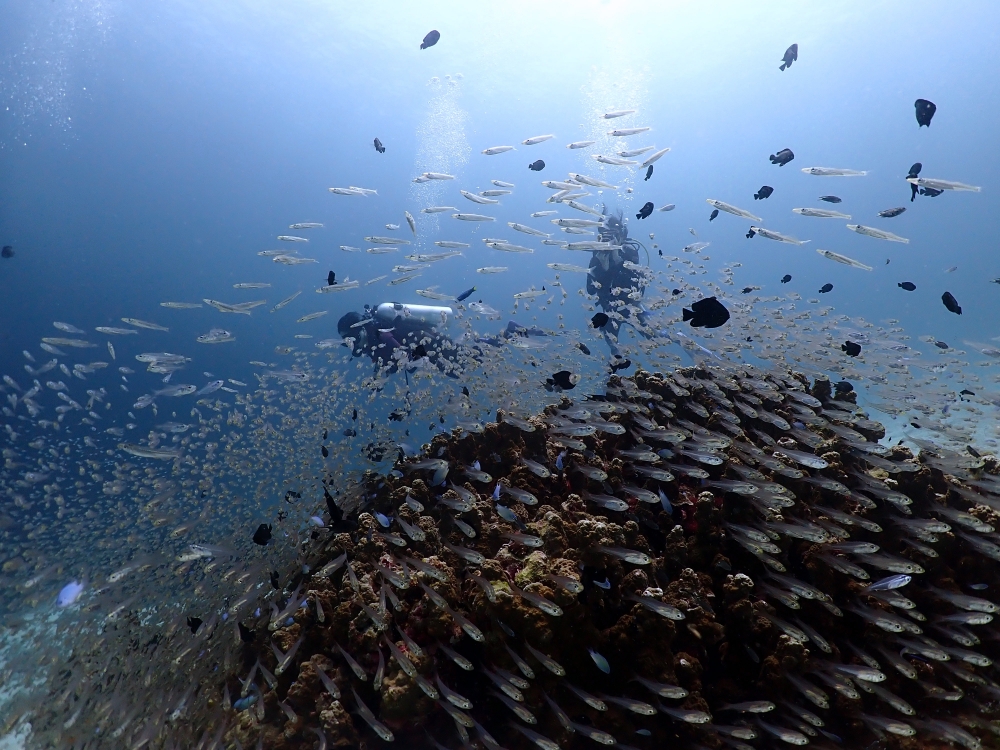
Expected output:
(907, 285)
(331, 278)
(764, 192)
(830, 198)
(706, 313)
(7, 252)
(537, 166)
(786, 278)
(599, 320)
(262, 535)
(915, 170)
(782, 157)
(194, 623)
(620, 364)
(851, 349)
(925, 111)
(826, 288)
(379, 147)
(645, 211)
(649, 171)
(941, 345)
(562, 380)
(951, 303)
(431, 39)
(790, 56)
(324, 451)
(715, 212)
(931, 192)
(466, 294)
(583, 348)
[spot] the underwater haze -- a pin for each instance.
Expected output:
(173, 371)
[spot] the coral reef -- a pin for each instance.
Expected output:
(706, 558)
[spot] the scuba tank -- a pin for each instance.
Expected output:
(432, 315)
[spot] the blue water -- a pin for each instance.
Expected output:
(148, 154)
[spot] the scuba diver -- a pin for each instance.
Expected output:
(397, 333)
(617, 286)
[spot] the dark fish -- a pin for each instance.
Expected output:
(584, 348)
(350, 432)
(966, 392)
(747, 289)
(7, 252)
(995, 281)
(419, 351)
(331, 278)
(262, 535)
(941, 345)
(714, 214)
(379, 147)
(907, 285)
(826, 288)
(764, 192)
(786, 278)
(465, 391)
(782, 157)
(931, 192)
(751, 233)
(537, 166)
(925, 111)
(842, 388)
(891, 212)
(951, 303)
(830, 198)
(915, 170)
(466, 294)
(599, 320)
(620, 364)
(194, 623)
(431, 39)
(973, 452)
(645, 211)
(354, 415)
(246, 634)
(791, 55)
(649, 171)
(324, 451)
(275, 581)
(675, 292)
(563, 380)
(706, 313)
(850, 348)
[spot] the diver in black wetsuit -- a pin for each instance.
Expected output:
(612, 283)
(395, 333)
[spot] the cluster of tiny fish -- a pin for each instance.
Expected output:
(712, 557)
(706, 558)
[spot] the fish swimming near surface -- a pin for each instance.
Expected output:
(951, 303)
(925, 111)
(830, 199)
(706, 313)
(891, 212)
(7, 252)
(379, 147)
(713, 215)
(786, 278)
(782, 157)
(907, 285)
(649, 171)
(645, 211)
(537, 166)
(465, 295)
(431, 39)
(826, 288)
(851, 348)
(790, 56)
(764, 193)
